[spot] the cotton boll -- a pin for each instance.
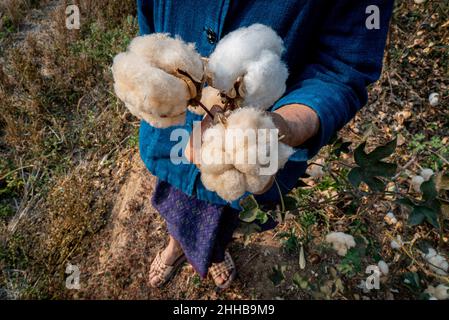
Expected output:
(229, 185)
(440, 292)
(169, 54)
(437, 263)
(416, 183)
(264, 81)
(390, 218)
(283, 153)
(149, 93)
(236, 50)
(246, 160)
(213, 159)
(256, 183)
(241, 129)
(434, 99)
(383, 267)
(426, 174)
(341, 242)
(396, 243)
(316, 170)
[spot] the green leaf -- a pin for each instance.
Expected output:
(429, 190)
(360, 156)
(383, 152)
(412, 281)
(420, 213)
(249, 203)
(249, 215)
(370, 167)
(416, 217)
(299, 281)
(405, 202)
(355, 176)
(250, 210)
(262, 216)
(277, 275)
(375, 184)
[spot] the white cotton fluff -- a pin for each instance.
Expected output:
(316, 170)
(341, 242)
(396, 243)
(390, 218)
(383, 267)
(440, 292)
(169, 54)
(426, 174)
(416, 183)
(253, 53)
(265, 81)
(230, 185)
(434, 99)
(209, 97)
(239, 156)
(149, 93)
(214, 159)
(437, 263)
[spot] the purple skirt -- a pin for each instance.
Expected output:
(203, 229)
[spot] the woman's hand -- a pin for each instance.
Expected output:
(296, 123)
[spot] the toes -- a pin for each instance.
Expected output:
(219, 280)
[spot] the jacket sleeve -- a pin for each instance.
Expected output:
(346, 57)
(145, 16)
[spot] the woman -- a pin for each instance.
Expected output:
(334, 50)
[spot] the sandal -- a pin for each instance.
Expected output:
(162, 272)
(221, 268)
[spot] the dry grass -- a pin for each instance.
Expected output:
(61, 129)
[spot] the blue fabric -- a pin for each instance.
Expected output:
(331, 55)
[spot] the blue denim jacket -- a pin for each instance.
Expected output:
(331, 54)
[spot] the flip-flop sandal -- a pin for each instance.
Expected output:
(221, 268)
(162, 272)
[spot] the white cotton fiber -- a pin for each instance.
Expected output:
(209, 97)
(426, 174)
(437, 262)
(169, 54)
(148, 92)
(229, 185)
(390, 218)
(242, 154)
(416, 183)
(237, 50)
(264, 81)
(440, 292)
(396, 243)
(341, 242)
(256, 183)
(383, 267)
(213, 159)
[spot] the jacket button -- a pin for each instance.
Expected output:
(211, 35)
